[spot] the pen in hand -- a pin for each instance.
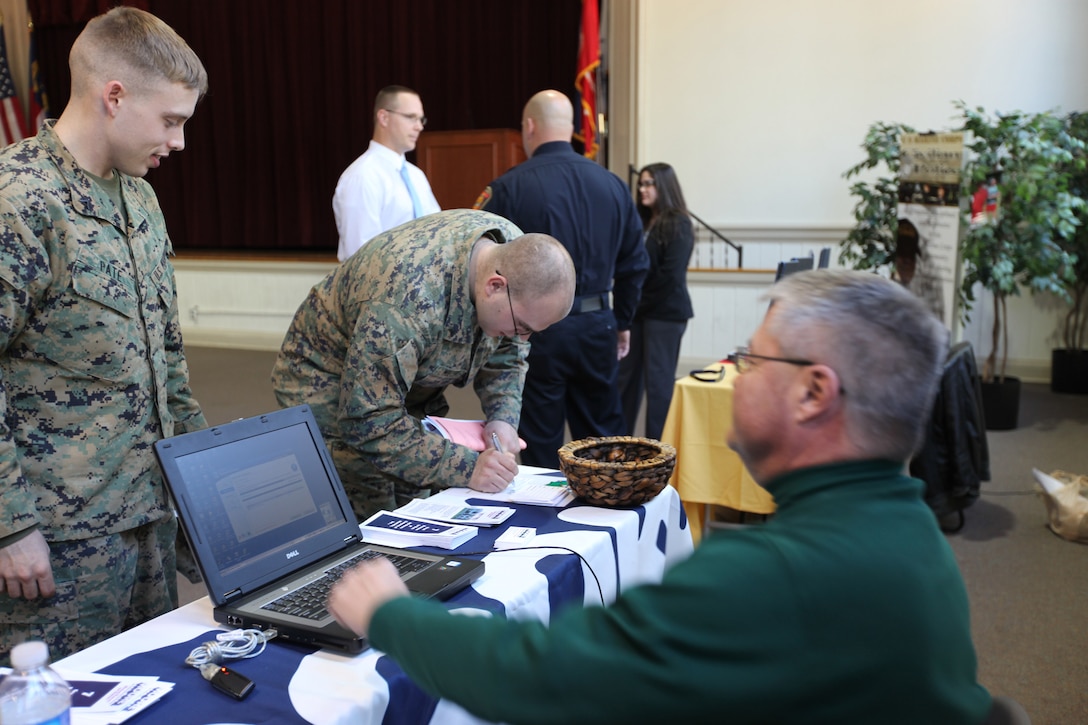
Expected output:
(495, 441)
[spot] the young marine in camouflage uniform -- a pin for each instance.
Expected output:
(92, 370)
(446, 299)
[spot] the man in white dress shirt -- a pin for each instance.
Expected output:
(380, 189)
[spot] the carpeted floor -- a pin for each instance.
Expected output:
(1028, 587)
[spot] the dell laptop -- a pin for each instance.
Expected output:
(271, 527)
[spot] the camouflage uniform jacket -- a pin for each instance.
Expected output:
(92, 370)
(377, 342)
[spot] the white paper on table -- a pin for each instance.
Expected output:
(456, 513)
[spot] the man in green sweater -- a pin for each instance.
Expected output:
(846, 607)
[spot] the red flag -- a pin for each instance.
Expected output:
(589, 59)
(39, 102)
(12, 122)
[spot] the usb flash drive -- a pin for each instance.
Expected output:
(227, 680)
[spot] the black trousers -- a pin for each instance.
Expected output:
(572, 380)
(650, 367)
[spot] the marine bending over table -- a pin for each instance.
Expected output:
(447, 299)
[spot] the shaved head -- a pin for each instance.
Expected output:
(548, 116)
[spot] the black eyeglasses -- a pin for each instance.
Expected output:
(513, 317)
(743, 360)
(642, 184)
(421, 120)
(708, 375)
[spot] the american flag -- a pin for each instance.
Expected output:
(39, 102)
(12, 122)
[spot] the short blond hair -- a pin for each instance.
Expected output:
(134, 47)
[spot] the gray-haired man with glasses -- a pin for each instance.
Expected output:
(381, 189)
(846, 607)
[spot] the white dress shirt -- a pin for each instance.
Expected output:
(371, 197)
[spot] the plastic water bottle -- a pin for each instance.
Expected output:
(33, 694)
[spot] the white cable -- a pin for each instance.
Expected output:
(233, 645)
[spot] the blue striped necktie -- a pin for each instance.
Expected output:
(417, 209)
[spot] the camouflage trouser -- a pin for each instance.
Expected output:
(369, 489)
(104, 585)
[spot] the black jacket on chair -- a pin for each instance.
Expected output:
(955, 457)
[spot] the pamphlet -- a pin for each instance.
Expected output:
(391, 529)
(515, 537)
(456, 513)
(468, 433)
(105, 699)
(548, 488)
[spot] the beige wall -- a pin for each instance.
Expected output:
(761, 106)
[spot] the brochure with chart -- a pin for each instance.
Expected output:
(456, 513)
(391, 529)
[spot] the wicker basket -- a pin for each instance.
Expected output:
(617, 471)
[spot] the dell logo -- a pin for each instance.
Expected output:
(292, 554)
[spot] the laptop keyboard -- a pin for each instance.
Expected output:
(309, 601)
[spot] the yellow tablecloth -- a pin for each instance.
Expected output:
(707, 470)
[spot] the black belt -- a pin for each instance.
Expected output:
(589, 303)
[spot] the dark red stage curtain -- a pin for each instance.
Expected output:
(292, 92)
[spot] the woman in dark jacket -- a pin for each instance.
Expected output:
(665, 307)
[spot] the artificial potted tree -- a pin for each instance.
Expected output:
(1020, 245)
(872, 243)
(1069, 363)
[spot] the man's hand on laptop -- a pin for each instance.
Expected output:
(354, 599)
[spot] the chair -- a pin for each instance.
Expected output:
(1007, 711)
(797, 264)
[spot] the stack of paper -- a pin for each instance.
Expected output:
(540, 494)
(101, 699)
(548, 488)
(539, 489)
(515, 537)
(391, 529)
(456, 513)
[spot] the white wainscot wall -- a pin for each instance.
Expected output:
(728, 307)
(249, 303)
(245, 304)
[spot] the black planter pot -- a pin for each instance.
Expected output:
(1001, 403)
(1069, 371)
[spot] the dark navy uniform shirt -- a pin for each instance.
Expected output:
(587, 208)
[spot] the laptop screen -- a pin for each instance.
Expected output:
(258, 497)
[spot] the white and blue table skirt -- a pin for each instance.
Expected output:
(300, 684)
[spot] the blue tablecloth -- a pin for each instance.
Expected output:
(296, 684)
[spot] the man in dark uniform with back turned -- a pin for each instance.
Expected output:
(573, 364)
